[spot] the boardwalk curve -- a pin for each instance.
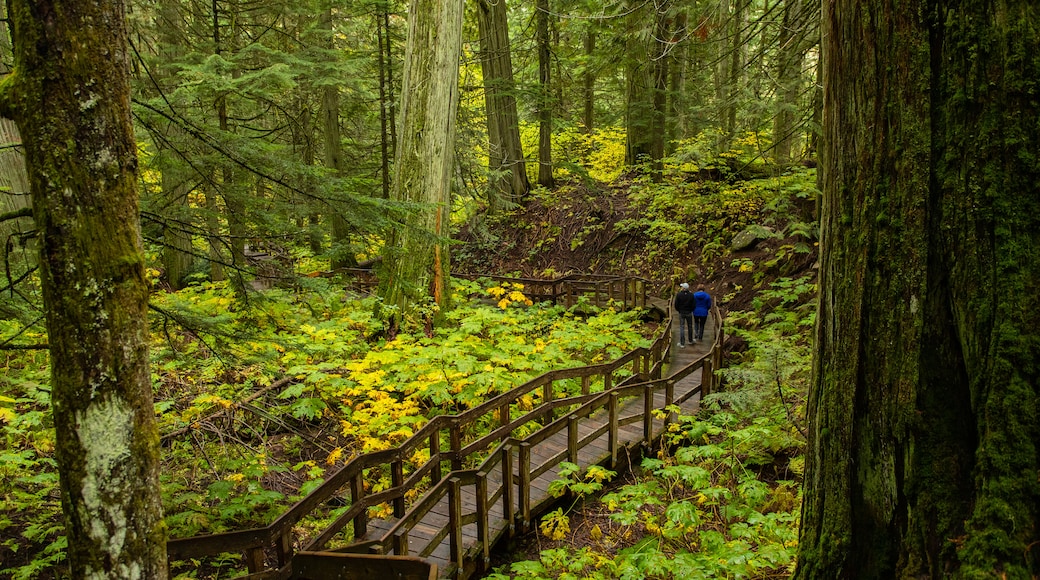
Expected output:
(477, 490)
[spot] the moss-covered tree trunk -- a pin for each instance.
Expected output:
(70, 96)
(416, 258)
(924, 410)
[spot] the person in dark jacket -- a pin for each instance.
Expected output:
(701, 307)
(684, 303)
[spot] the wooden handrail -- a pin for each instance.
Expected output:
(645, 378)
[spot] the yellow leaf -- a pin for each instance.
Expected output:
(596, 533)
(334, 456)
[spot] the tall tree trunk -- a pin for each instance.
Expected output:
(71, 99)
(506, 167)
(176, 251)
(545, 162)
(925, 403)
(676, 119)
(416, 258)
(384, 105)
(343, 255)
(232, 200)
(797, 34)
(14, 180)
(730, 63)
(588, 79)
(658, 66)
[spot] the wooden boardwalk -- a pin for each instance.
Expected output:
(487, 470)
(427, 538)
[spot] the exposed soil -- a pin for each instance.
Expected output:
(575, 231)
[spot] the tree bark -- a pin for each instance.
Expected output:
(343, 255)
(71, 99)
(797, 34)
(506, 167)
(14, 180)
(659, 51)
(416, 257)
(588, 78)
(924, 408)
(545, 162)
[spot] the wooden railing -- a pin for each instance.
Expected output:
(451, 442)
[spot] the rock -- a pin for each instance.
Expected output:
(749, 237)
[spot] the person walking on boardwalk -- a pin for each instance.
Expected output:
(684, 303)
(701, 307)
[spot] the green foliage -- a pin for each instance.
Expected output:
(235, 456)
(711, 510)
(599, 155)
(725, 503)
(678, 213)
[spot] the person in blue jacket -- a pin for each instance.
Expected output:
(701, 307)
(684, 304)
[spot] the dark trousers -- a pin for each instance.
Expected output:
(698, 326)
(685, 324)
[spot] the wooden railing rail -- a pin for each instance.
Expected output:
(397, 540)
(443, 439)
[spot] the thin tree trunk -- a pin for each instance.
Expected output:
(506, 167)
(176, 252)
(589, 83)
(71, 99)
(545, 162)
(384, 117)
(659, 90)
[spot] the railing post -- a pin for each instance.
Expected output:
(547, 398)
(455, 524)
(507, 490)
(707, 378)
(401, 542)
(524, 468)
(456, 445)
(397, 480)
(435, 456)
(284, 548)
(669, 398)
(612, 431)
(483, 523)
(503, 414)
(608, 380)
(254, 559)
(648, 413)
(357, 492)
(572, 439)
(585, 384)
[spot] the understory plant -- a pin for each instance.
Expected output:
(721, 498)
(257, 401)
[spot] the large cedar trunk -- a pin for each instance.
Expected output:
(924, 410)
(71, 99)
(416, 258)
